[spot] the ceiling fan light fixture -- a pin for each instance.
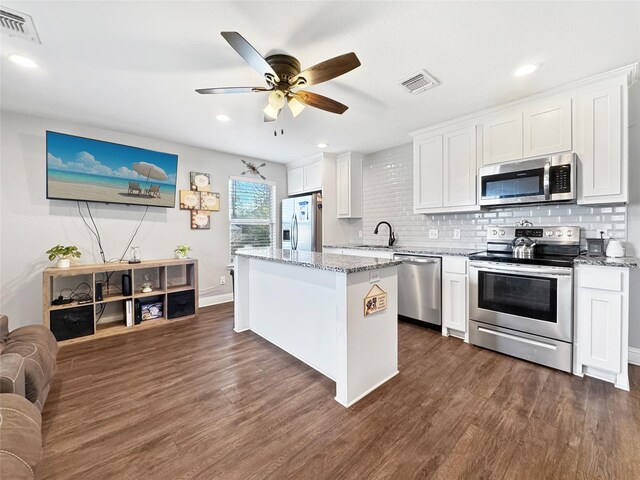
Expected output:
(277, 99)
(295, 106)
(271, 112)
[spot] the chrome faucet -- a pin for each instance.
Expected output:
(392, 236)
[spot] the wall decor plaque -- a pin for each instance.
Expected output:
(375, 301)
(200, 182)
(200, 220)
(189, 200)
(210, 201)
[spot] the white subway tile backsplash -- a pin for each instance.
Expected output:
(388, 195)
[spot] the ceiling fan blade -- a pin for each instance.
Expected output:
(233, 90)
(250, 55)
(318, 101)
(327, 70)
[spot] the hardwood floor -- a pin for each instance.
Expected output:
(195, 400)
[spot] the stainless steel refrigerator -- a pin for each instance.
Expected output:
(302, 223)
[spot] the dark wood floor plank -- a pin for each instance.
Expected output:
(195, 400)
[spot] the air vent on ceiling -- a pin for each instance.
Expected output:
(18, 24)
(419, 82)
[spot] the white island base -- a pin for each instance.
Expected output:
(317, 315)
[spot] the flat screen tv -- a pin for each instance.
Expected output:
(83, 169)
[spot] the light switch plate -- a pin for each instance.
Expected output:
(456, 233)
(433, 233)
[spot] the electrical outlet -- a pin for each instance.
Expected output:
(360, 233)
(223, 279)
(374, 276)
(433, 233)
(456, 233)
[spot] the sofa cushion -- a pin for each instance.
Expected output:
(34, 334)
(39, 366)
(20, 437)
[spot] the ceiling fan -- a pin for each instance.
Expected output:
(284, 78)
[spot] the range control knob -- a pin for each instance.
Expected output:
(494, 232)
(502, 233)
(569, 233)
(559, 233)
(549, 233)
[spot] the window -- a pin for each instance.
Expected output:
(252, 213)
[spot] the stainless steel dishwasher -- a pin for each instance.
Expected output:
(419, 288)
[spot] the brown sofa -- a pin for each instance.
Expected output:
(39, 349)
(27, 366)
(20, 437)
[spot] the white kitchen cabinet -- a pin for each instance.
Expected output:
(547, 127)
(460, 167)
(602, 323)
(600, 138)
(455, 296)
(349, 185)
(312, 173)
(427, 173)
(304, 178)
(444, 170)
(502, 138)
(295, 180)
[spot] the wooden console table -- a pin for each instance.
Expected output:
(172, 281)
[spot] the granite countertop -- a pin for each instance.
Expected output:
(323, 261)
(437, 251)
(628, 262)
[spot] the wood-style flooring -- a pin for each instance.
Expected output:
(195, 400)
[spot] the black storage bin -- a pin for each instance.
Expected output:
(181, 304)
(72, 322)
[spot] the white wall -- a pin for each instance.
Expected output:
(30, 224)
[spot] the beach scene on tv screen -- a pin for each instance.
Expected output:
(91, 170)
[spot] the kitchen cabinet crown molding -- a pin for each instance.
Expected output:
(631, 74)
(311, 159)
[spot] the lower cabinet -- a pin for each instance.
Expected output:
(455, 297)
(602, 323)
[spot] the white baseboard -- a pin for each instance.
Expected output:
(215, 299)
(634, 356)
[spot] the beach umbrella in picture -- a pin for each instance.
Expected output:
(150, 170)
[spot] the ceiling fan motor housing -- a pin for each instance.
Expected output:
(286, 66)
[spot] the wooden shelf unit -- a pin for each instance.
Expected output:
(168, 276)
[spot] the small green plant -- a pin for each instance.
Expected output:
(63, 252)
(182, 250)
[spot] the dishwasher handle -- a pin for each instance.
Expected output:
(416, 260)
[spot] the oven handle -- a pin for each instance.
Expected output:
(538, 272)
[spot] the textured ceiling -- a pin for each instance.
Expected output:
(133, 66)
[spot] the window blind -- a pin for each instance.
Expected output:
(252, 214)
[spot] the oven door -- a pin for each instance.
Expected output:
(528, 298)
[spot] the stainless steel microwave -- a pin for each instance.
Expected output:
(539, 180)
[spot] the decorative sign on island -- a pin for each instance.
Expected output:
(375, 301)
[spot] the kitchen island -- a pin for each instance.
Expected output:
(312, 305)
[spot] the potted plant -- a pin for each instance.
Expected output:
(182, 251)
(64, 254)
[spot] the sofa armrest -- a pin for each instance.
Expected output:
(4, 327)
(12, 374)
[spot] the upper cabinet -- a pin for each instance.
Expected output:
(600, 144)
(546, 127)
(444, 170)
(305, 178)
(502, 138)
(349, 185)
(533, 130)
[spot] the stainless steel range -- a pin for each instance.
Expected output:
(521, 293)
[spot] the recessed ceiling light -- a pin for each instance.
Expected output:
(323, 145)
(525, 70)
(222, 118)
(23, 61)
